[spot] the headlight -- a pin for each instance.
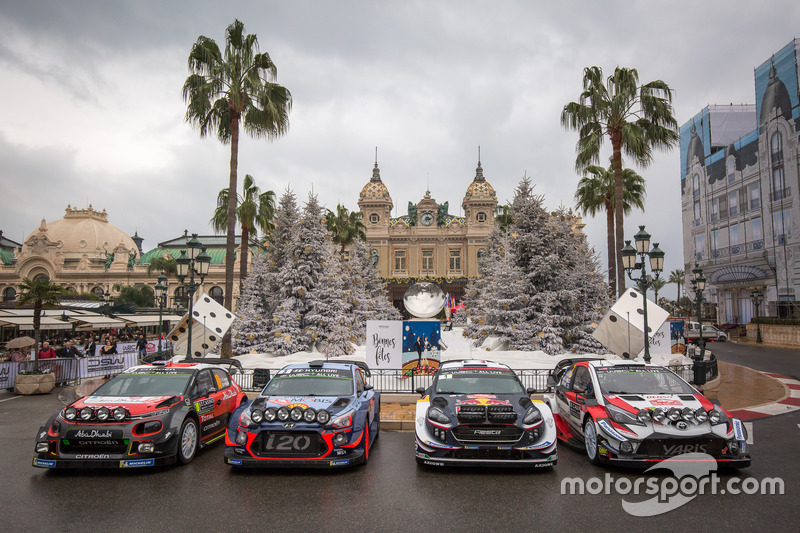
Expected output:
(437, 415)
(244, 419)
(323, 416)
(687, 414)
(103, 413)
(658, 414)
(86, 413)
(700, 415)
(339, 439)
(533, 416)
(344, 420)
(70, 413)
(621, 416)
(296, 414)
(643, 416)
(283, 414)
(257, 416)
(270, 414)
(241, 437)
(309, 415)
(674, 414)
(120, 413)
(42, 447)
(717, 417)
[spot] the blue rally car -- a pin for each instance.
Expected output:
(317, 414)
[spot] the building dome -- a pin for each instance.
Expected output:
(695, 149)
(84, 232)
(480, 189)
(375, 188)
(775, 97)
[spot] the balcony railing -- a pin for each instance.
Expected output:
(735, 249)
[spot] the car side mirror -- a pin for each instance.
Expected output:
(420, 391)
(368, 387)
(531, 390)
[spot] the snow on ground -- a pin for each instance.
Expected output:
(458, 347)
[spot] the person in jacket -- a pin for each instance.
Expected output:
(46, 352)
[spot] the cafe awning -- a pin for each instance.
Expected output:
(26, 322)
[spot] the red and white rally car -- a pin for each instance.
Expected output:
(634, 414)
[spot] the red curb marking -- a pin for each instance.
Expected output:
(777, 375)
(791, 401)
(793, 386)
(745, 415)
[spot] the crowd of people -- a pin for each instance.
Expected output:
(84, 345)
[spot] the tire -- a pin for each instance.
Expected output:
(590, 441)
(187, 441)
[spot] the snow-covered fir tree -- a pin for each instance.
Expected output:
(368, 292)
(329, 321)
(561, 290)
(302, 268)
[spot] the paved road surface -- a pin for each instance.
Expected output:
(389, 494)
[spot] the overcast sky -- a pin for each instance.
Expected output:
(91, 109)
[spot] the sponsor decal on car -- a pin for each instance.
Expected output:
(205, 418)
(212, 425)
(116, 400)
(433, 463)
(131, 463)
(92, 456)
(610, 430)
(94, 434)
(665, 401)
(574, 409)
(235, 462)
(737, 429)
(678, 449)
(482, 401)
(340, 462)
(204, 406)
(481, 396)
(47, 463)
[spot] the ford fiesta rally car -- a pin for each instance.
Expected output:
(634, 414)
(318, 414)
(148, 415)
(477, 413)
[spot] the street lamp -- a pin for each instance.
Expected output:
(699, 285)
(195, 263)
(161, 297)
(643, 282)
(757, 296)
(106, 303)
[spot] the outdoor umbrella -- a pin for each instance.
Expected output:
(20, 342)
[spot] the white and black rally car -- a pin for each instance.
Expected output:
(634, 414)
(478, 413)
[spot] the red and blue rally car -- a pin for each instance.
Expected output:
(317, 414)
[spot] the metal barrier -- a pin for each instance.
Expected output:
(384, 380)
(65, 369)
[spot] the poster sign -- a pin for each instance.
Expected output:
(421, 349)
(103, 365)
(384, 344)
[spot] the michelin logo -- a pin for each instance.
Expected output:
(136, 462)
(44, 463)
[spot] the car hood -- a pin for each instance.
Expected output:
(636, 402)
(332, 404)
(136, 405)
(452, 403)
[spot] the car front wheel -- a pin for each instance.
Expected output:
(590, 440)
(187, 441)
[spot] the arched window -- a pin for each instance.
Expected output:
(39, 276)
(776, 145)
(696, 185)
(731, 168)
(97, 291)
(9, 294)
(216, 294)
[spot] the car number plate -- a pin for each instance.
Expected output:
(300, 443)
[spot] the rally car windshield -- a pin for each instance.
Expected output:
(478, 383)
(288, 385)
(145, 385)
(641, 381)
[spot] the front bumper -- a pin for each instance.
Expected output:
(59, 463)
(239, 460)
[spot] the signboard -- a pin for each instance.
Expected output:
(103, 365)
(421, 350)
(384, 344)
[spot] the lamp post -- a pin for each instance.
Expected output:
(643, 282)
(195, 263)
(699, 285)
(106, 303)
(161, 297)
(757, 296)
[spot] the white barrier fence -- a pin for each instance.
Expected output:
(70, 369)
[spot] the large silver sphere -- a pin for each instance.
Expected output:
(424, 300)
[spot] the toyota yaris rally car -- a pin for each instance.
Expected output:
(634, 414)
(148, 415)
(317, 414)
(478, 413)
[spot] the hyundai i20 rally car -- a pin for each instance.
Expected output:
(148, 415)
(634, 414)
(478, 413)
(317, 414)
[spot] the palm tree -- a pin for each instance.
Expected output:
(676, 277)
(40, 292)
(596, 191)
(165, 264)
(255, 209)
(345, 226)
(658, 284)
(636, 118)
(224, 91)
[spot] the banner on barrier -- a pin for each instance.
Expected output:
(103, 365)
